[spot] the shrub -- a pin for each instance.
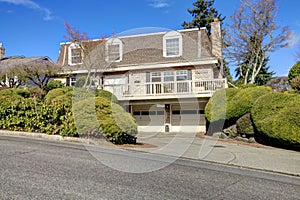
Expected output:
(295, 83)
(36, 92)
(100, 115)
(244, 125)
(241, 103)
(15, 91)
(294, 71)
(53, 85)
(81, 81)
(230, 104)
(276, 119)
(67, 91)
(106, 94)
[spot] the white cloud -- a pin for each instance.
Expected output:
(159, 4)
(32, 5)
(293, 40)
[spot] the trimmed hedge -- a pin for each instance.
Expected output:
(276, 119)
(15, 91)
(98, 116)
(106, 94)
(54, 115)
(230, 104)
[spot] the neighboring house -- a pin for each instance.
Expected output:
(12, 61)
(163, 79)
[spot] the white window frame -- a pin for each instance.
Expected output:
(70, 56)
(170, 36)
(114, 41)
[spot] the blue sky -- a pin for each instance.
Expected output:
(36, 27)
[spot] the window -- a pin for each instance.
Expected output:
(168, 76)
(172, 47)
(156, 77)
(73, 81)
(172, 44)
(75, 54)
(114, 50)
(181, 75)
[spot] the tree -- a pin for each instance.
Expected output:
(91, 55)
(10, 77)
(203, 14)
(38, 73)
(253, 34)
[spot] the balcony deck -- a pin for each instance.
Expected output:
(166, 90)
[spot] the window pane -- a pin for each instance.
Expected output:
(76, 56)
(114, 52)
(181, 75)
(189, 112)
(172, 47)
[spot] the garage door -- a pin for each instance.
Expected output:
(148, 115)
(187, 115)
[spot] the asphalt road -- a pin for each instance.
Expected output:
(44, 169)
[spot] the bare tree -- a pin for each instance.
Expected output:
(92, 52)
(252, 35)
(10, 77)
(39, 73)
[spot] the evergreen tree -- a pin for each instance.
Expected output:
(203, 14)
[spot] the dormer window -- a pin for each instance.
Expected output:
(75, 54)
(172, 44)
(114, 50)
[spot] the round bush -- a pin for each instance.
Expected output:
(53, 85)
(67, 91)
(100, 115)
(241, 103)
(106, 94)
(276, 119)
(81, 81)
(15, 91)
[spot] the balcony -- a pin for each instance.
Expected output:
(164, 90)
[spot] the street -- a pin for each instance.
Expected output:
(44, 169)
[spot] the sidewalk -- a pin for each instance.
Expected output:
(224, 151)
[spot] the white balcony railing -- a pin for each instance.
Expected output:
(203, 87)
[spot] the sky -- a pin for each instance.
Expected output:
(36, 28)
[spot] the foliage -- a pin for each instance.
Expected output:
(294, 71)
(230, 104)
(65, 91)
(53, 85)
(82, 81)
(111, 120)
(276, 119)
(295, 83)
(203, 14)
(244, 125)
(106, 94)
(15, 91)
(12, 77)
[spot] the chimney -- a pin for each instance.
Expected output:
(216, 38)
(2, 51)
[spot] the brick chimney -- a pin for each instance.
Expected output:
(216, 38)
(2, 51)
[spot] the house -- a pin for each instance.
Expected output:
(8, 78)
(164, 79)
